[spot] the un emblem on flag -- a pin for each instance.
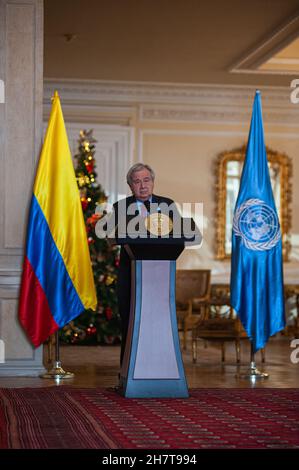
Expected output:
(258, 225)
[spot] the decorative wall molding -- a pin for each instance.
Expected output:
(211, 133)
(2, 92)
(98, 92)
(223, 115)
(20, 117)
(21, 69)
(21, 358)
(169, 102)
(98, 114)
(113, 156)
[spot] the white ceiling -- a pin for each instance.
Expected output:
(180, 41)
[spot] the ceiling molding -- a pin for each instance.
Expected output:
(122, 102)
(267, 48)
(78, 111)
(114, 155)
(221, 115)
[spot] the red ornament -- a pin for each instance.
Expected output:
(117, 263)
(93, 219)
(108, 313)
(91, 330)
(90, 240)
(84, 203)
(89, 167)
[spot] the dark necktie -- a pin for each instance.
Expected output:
(147, 205)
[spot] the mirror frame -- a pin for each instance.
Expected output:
(285, 194)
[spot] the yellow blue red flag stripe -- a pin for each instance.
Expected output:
(57, 281)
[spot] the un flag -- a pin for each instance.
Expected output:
(256, 264)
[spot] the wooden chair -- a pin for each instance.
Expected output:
(219, 323)
(292, 294)
(192, 294)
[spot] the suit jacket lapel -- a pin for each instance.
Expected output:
(155, 199)
(132, 200)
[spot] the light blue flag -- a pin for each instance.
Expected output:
(256, 264)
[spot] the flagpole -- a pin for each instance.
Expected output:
(256, 262)
(253, 373)
(57, 372)
(60, 299)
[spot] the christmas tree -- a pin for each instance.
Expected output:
(102, 326)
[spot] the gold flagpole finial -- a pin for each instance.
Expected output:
(55, 95)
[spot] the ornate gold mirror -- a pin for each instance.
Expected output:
(228, 170)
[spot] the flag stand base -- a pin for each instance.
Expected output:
(253, 374)
(57, 372)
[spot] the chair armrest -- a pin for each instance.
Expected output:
(200, 300)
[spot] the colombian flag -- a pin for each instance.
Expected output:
(57, 281)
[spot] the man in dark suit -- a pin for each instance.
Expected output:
(141, 179)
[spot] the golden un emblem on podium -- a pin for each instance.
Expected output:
(158, 224)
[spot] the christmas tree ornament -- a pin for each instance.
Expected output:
(102, 326)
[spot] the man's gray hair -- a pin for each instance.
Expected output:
(138, 167)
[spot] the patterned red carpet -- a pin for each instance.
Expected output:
(72, 418)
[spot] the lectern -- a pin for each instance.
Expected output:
(152, 364)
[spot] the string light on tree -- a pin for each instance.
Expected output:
(102, 326)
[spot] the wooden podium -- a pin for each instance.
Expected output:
(152, 364)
